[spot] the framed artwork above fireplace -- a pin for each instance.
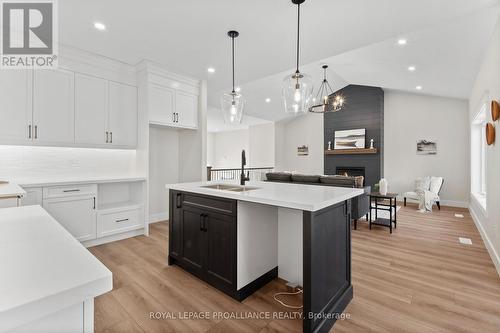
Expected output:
(350, 139)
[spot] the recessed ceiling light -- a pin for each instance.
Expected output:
(211, 70)
(402, 41)
(237, 89)
(268, 100)
(99, 26)
(412, 68)
(418, 87)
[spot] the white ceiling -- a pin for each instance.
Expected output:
(447, 39)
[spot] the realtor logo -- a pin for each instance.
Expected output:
(29, 34)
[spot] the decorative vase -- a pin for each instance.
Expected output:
(383, 186)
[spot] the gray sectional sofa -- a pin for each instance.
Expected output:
(359, 205)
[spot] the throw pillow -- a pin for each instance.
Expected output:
(435, 185)
(422, 184)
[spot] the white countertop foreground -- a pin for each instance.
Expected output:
(10, 190)
(43, 269)
(288, 195)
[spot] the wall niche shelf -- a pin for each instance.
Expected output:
(357, 151)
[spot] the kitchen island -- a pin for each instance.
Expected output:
(48, 280)
(238, 238)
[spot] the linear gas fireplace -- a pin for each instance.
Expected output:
(351, 171)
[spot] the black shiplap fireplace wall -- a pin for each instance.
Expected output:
(364, 109)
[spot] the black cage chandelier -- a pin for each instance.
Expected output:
(323, 101)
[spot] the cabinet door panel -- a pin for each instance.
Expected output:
(53, 107)
(75, 214)
(33, 197)
(193, 240)
(175, 230)
(221, 233)
(91, 109)
(15, 109)
(123, 114)
(186, 106)
(162, 105)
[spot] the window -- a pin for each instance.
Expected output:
(478, 154)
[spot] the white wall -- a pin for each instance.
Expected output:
(210, 149)
(295, 132)
(410, 117)
(163, 168)
(258, 141)
(261, 145)
(488, 81)
(227, 147)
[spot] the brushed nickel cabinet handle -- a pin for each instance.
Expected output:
(36, 131)
(122, 220)
(107, 137)
(70, 191)
(29, 131)
(111, 134)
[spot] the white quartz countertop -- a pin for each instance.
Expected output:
(9, 190)
(288, 195)
(73, 179)
(43, 269)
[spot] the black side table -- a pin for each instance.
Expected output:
(376, 197)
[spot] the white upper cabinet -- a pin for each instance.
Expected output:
(122, 115)
(186, 106)
(53, 107)
(91, 110)
(162, 105)
(172, 100)
(15, 106)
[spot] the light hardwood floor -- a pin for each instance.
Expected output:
(419, 279)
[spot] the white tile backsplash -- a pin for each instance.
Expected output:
(25, 162)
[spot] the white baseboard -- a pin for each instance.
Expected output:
(449, 203)
(114, 238)
(452, 203)
(158, 217)
(487, 242)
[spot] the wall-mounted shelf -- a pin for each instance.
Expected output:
(357, 151)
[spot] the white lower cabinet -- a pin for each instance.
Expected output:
(33, 196)
(92, 212)
(114, 221)
(74, 208)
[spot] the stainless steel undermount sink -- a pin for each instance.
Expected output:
(243, 189)
(232, 188)
(220, 186)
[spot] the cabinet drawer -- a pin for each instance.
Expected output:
(219, 205)
(117, 221)
(68, 190)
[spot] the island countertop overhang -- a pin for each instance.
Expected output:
(295, 196)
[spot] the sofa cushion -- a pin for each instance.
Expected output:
(305, 178)
(279, 176)
(338, 181)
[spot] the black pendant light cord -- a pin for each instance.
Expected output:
(232, 38)
(298, 36)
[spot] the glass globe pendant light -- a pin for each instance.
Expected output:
(298, 87)
(233, 103)
(324, 103)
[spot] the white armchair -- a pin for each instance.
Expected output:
(432, 184)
